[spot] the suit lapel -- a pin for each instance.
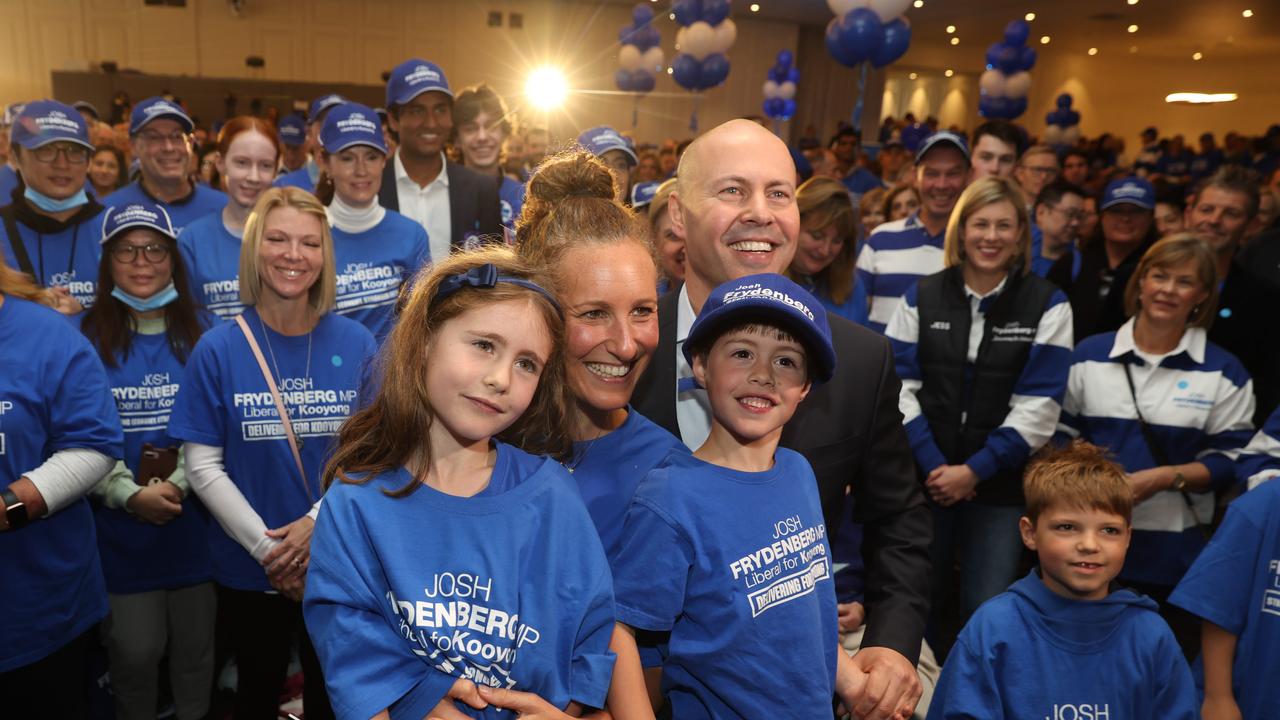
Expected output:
(655, 394)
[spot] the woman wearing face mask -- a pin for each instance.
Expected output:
(50, 231)
(481, 125)
(256, 419)
(982, 349)
(377, 250)
(106, 170)
(152, 534)
(823, 263)
(246, 158)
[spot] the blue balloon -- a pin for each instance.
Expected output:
(643, 81)
(793, 75)
(1016, 33)
(641, 14)
(715, 11)
(895, 38)
(788, 109)
(785, 58)
(1026, 58)
(715, 68)
(861, 30)
(837, 50)
(686, 71)
(1051, 117)
(687, 12)
(1017, 106)
(1073, 118)
(767, 108)
(1008, 62)
(1064, 100)
(998, 107)
(647, 38)
(624, 35)
(993, 54)
(774, 107)
(777, 75)
(623, 80)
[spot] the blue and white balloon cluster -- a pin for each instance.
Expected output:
(780, 88)
(872, 31)
(705, 35)
(1007, 81)
(1063, 124)
(640, 57)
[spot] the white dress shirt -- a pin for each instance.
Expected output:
(693, 407)
(428, 206)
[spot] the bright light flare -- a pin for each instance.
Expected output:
(546, 88)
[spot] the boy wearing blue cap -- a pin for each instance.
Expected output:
(50, 224)
(160, 138)
(308, 173)
(292, 134)
(726, 549)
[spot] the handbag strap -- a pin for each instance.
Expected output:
(275, 395)
(19, 247)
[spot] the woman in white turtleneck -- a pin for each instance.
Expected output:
(377, 250)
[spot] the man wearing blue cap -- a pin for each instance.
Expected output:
(160, 137)
(615, 152)
(308, 174)
(456, 206)
(50, 229)
(901, 252)
(292, 134)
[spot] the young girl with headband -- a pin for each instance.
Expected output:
(446, 555)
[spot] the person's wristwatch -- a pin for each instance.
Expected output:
(15, 511)
(1179, 482)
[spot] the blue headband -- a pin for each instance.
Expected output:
(486, 276)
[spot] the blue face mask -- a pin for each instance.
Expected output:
(155, 302)
(51, 205)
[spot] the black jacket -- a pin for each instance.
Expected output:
(1247, 325)
(850, 431)
(473, 202)
(963, 403)
(1096, 291)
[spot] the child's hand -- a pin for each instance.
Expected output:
(527, 706)
(156, 504)
(463, 691)
(1220, 708)
(950, 484)
(851, 616)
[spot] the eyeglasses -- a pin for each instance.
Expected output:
(1041, 171)
(126, 253)
(155, 138)
(75, 154)
(1070, 215)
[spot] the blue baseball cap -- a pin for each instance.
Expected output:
(154, 108)
(602, 139)
(642, 193)
(85, 105)
(322, 103)
(413, 77)
(1132, 190)
(351, 124)
(292, 130)
(48, 121)
(142, 214)
(939, 138)
(772, 298)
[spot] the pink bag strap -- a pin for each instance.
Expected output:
(275, 395)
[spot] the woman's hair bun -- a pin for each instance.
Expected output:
(574, 173)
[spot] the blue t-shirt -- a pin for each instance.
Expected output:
(53, 396)
(300, 178)
(861, 181)
(211, 255)
(8, 183)
(508, 588)
(224, 402)
(139, 556)
(737, 567)
(374, 265)
(1235, 584)
(1205, 164)
(511, 199)
(609, 468)
(61, 254)
(854, 307)
(1029, 653)
(202, 201)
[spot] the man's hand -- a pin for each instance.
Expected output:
(464, 691)
(852, 616)
(156, 504)
(527, 706)
(949, 484)
(878, 684)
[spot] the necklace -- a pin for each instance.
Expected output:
(279, 376)
(578, 460)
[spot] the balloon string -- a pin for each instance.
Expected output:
(856, 119)
(635, 112)
(693, 118)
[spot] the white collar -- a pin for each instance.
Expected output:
(1192, 342)
(353, 219)
(974, 296)
(402, 175)
(684, 314)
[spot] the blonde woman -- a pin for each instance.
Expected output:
(259, 472)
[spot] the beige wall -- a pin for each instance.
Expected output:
(355, 42)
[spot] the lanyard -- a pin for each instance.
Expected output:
(71, 263)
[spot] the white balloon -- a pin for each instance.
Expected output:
(787, 90)
(992, 83)
(680, 37)
(629, 58)
(699, 40)
(1071, 135)
(840, 7)
(1017, 85)
(770, 89)
(889, 9)
(1052, 135)
(726, 34)
(653, 59)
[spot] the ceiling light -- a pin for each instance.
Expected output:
(546, 88)
(913, 76)
(1133, 28)
(949, 73)
(1093, 51)
(672, 16)
(1133, 2)
(1133, 49)
(1030, 17)
(918, 3)
(951, 29)
(1247, 13)
(955, 41)
(1196, 55)
(1200, 98)
(755, 7)
(1044, 39)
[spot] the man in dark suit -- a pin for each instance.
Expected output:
(457, 206)
(735, 205)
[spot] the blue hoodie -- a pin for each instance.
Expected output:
(1029, 653)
